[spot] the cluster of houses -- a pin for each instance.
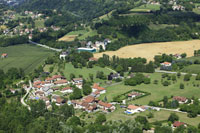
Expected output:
(92, 103)
(95, 47)
(45, 90)
(175, 6)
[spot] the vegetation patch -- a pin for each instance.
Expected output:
(25, 56)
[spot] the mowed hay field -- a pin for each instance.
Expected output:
(24, 56)
(68, 38)
(149, 50)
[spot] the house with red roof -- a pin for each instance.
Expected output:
(58, 100)
(96, 87)
(166, 66)
(89, 99)
(106, 106)
(178, 124)
(131, 109)
(180, 99)
(61, 82)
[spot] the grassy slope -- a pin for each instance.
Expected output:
(157, 91)
(23, 56)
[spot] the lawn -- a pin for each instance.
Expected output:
(192, 69)
(24, 56)
(157, 91)
(119, 114)
(146, 8)
(84, 71)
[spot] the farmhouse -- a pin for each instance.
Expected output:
(134, 109)
(180, 99)
(63, 55)
(178, 124)
(4, 55)
(166, 66)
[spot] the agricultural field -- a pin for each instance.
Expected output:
(24, 56)
(158, 91)
(81, 34)
(149, 50)
(146, 8)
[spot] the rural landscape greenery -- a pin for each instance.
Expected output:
(127, 66)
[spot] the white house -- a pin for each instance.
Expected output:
(77, 80)
(67, 90)
(134, 109)
(63, 55)
(166, 64)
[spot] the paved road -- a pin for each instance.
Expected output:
(27, 92)
(173, 110)
(170, 72)
(45, 46)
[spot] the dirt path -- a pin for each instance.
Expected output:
(149, 50)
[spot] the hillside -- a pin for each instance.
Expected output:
(149, 50)
(78, 8)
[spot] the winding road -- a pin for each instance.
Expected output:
(27, 92)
